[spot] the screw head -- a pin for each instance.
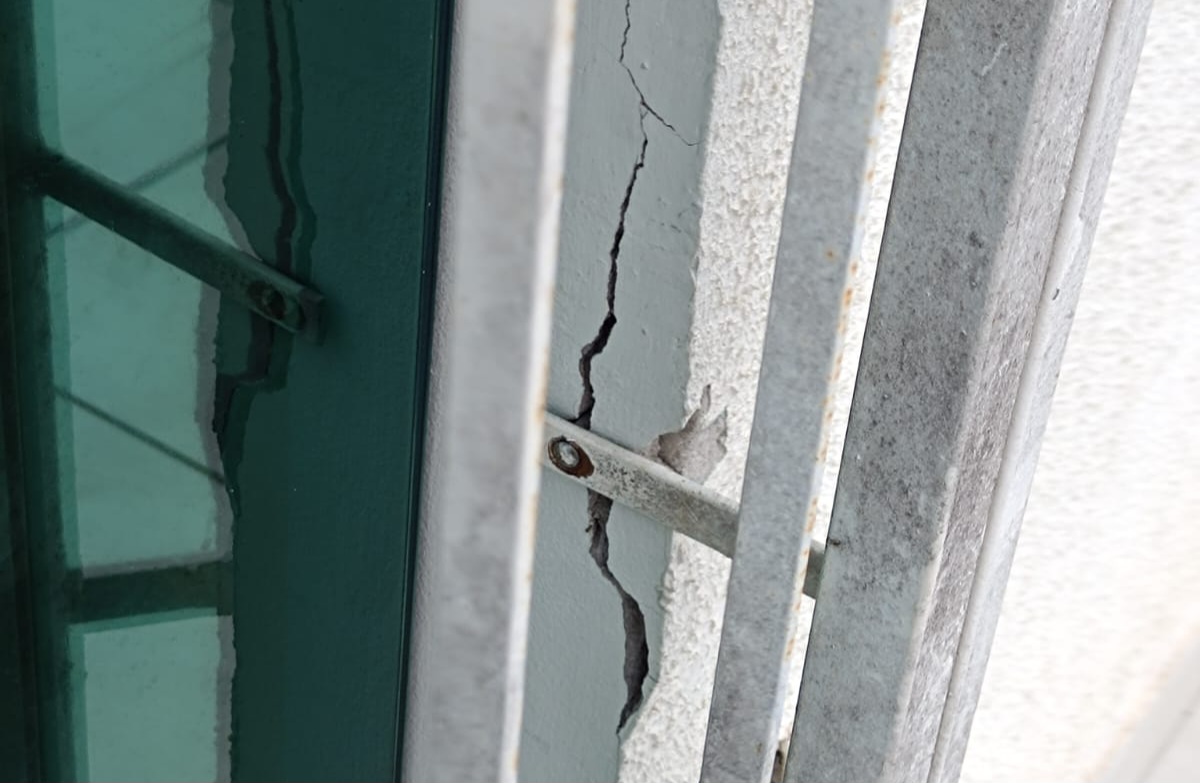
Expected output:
(567, 456)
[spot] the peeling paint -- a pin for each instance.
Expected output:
(695, 450)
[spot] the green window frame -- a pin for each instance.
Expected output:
(321, 426)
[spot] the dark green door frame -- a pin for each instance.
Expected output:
(333, 169)
(322, 444)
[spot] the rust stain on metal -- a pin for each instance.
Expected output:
(569, 457)
(811, 518)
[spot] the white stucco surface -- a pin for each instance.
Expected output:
(1100, 603)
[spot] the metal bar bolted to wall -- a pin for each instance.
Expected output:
(1010, 133)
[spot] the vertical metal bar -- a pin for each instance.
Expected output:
(321, 611)
(996, 106)
(823, 220)
(1111, 86)
(30, 423)
(18, 715)
(505, 155)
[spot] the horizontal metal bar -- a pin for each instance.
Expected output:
(238, 275)
(154, 590)
(652, 489)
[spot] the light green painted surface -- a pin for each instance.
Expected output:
(131, 80)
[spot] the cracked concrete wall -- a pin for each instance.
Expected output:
(641, 94)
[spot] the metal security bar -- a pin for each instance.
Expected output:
(997, 104)
(1011, 107)
(1094, 155)
(653, 489)
(505, 166)
(823, 218)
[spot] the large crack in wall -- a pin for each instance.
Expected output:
(599, 508)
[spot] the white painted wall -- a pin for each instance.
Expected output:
(1101, 601)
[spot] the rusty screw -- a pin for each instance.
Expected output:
(565, 454)
(569, 458)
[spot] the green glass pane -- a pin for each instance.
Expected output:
(123, 87)
(149, 706)
(124, 84)
(136, 393)
(173, 443)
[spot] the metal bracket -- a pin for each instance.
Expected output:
(652, 489)
(240, 276)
